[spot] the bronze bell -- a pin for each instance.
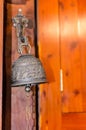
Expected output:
(27, 70)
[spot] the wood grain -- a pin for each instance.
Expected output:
(16, 102)
(74, 121)
(22, 104)
(82, 42)
(62, 45)
(70, 57)
(48, 43)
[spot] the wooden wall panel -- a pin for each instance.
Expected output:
(73, 53)
(48, 43)
(21, 101)
(70, 56)
(1, 56)
(82, 42)
(68, 20)
(61, 44)
(74, 121)
(17, 103)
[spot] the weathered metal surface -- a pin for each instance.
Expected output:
(20, 22)
(27, 70)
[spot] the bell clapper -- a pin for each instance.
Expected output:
(28, 88)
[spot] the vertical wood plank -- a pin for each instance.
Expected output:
(23, 104)
(70, 57)
(19, 108)
(48, 44)
(1, 60)
(74, 121)
(82, 41)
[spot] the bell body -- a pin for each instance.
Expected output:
(27, 70)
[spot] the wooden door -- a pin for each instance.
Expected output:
(62, 49)
(48, 43)
(71, 56)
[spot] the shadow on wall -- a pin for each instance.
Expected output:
(48, 69)
(6, 110)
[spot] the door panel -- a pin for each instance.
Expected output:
(48, 44)
(82, 42)
(70, 57)
(62, 44)
(73, 121)
(73, 55)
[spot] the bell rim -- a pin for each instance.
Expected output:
(23, 83)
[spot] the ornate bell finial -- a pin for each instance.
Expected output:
(27, 70)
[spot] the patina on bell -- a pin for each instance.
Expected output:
(27, 70)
